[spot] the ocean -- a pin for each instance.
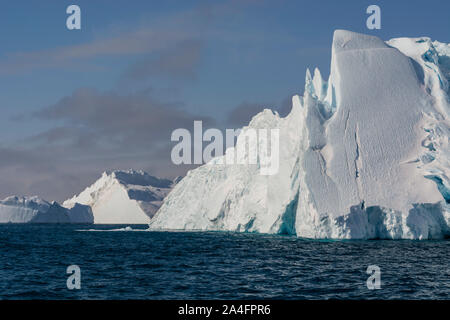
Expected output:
(139, 264)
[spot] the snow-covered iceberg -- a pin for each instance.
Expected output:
(364, 155)
(35, 210)
(123, 197)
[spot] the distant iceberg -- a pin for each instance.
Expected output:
(124, 197)
(35, 210)
(364, 155)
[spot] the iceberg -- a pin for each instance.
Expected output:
(35, 210)
(363, 155)
(124, 197)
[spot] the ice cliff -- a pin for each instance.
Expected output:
(124, 197)
(35, 210)
(364, 155)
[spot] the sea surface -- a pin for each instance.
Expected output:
(139, 264)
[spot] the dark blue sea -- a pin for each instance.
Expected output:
(212, 265)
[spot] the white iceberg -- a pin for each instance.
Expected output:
(35, 210)
(123, 197)
(364, 155)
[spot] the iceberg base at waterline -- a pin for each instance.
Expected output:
(35, 210)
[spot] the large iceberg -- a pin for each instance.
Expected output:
(35, 210)
(364, 155)
(124, 197)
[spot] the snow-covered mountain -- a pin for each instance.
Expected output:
(35, 210)
(124, 197)
(363, 155)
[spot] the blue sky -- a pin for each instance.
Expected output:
(171, 61)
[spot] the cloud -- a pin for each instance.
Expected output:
(96, 131)
(156, 36)
(180, 62)
(131, 43)
(182, 29)
(134, 117)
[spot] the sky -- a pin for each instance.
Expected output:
(75, 103)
